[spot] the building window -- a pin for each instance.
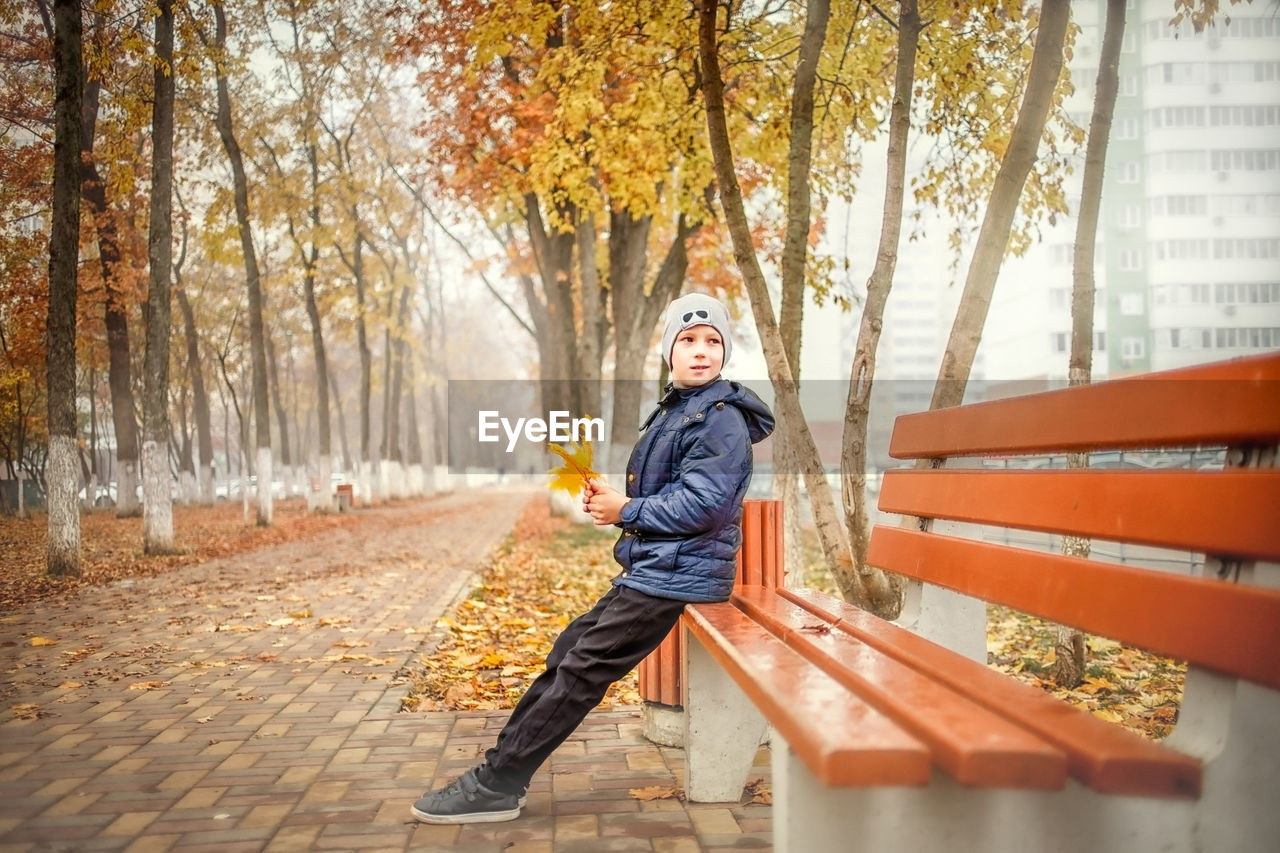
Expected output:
(1130, 260)
(1129, 172)
(1176, 118)
(1131, 348)
(1183, 339)
(1060, 341)
(1181, 250)
(1250, 28)
(1132, 304)
(1244, 72)
(1258, 248)
(1178, 205)
(1099, 341)
(1179, 162)
(1256, 160)
(1250, 293)
(1247, 115)
(1249, 338)
(1130, 216)
(1246, 205)
(1177, 73)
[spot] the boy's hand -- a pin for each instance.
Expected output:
(603, 503)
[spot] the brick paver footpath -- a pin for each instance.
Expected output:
(251, 703)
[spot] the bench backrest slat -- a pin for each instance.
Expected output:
(1227, 513)
(1226, 627)
(1235, 403)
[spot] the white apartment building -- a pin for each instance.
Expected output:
(1188, 252)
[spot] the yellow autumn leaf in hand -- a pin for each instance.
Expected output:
(572, 476)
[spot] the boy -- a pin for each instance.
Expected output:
(680, 520)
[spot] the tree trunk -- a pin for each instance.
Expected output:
(281, 412)
(157, 501)
(116, 308)
(253, 283)
(589, 402)
(397, 355)
(200, 399)
(786, 482)
(347, 458)
(553, 315)
(62, 555)
(853, 461)
(635, 314)
(831, 533)
(993, 236)
(1069, 661)
(366, 462)
(309, 256)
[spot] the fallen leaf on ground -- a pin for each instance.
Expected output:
(657, 792)
(758, 792)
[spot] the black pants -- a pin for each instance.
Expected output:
(593, 652)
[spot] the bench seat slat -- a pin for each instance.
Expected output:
(1232, 628)
(1226, 513)
(842, 739)
(1099, 754)
(1236, 402)
(973, 744)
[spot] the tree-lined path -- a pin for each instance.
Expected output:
(252, 703)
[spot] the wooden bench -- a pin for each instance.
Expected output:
(899, 736)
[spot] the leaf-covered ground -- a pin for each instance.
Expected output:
(1124, 685)
(493, 644)
(111, 547)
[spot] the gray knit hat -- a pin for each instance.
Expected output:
(695, 309)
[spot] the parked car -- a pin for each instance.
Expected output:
(104, 495)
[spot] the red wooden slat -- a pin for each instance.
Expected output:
(659, 673)
(1225, 403)
(975, 745)
(1233, 513)
(772, 563)
(749, 555)
(670, 655)
(1227, 627)
(1106, 757)
(840, 738)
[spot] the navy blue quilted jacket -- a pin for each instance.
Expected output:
(686, 479)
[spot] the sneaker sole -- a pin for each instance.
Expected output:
(469, 817)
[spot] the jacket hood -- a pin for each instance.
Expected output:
(759, 418)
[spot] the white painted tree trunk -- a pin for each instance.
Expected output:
(63, 549)
(127, 488)
(266, 507)
(206, 484)
(320, 499)
(367, 477)
(157, 504)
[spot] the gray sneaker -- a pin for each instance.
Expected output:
(465, 800)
